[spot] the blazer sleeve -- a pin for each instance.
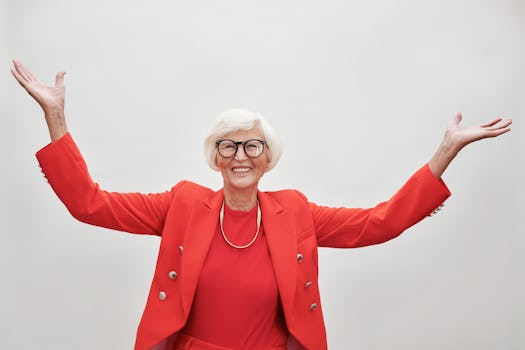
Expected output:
(418, 198)
(67, 173)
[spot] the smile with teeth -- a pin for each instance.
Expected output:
(241, 170)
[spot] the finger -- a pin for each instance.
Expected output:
(59, 79)
(491, 123)
(21, 70)
(30, 75)
(503, 123)
(498, 132)
(18, 70)
(19, 78)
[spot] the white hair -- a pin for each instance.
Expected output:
(236, 119)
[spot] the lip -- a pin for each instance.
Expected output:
(241, 170)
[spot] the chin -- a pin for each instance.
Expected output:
(242, 183)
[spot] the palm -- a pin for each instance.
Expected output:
(463, 135)
(48, 97)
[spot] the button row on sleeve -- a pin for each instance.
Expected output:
(43, 174)
(437, 209)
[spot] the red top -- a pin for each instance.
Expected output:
(237, 302)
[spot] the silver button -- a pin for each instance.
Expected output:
(181, 249)
(307, 284)
(162, 296)
(313, 306)
(172, 275)
(299, 257)
(437, 209)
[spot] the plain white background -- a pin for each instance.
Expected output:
(360, 91)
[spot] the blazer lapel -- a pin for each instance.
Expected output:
(282, 243)
(201, 228)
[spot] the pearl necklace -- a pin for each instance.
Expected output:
(221, 218)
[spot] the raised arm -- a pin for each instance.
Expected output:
(67, 173)
(456, 137)
(419, 197)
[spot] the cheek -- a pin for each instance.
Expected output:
(263, 166)
(220, 162)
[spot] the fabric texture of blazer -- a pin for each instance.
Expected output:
(186, 218)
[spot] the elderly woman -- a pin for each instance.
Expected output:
(237, 268)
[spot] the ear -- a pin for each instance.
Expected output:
(267, 165)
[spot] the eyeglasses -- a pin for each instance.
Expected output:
(252, 148)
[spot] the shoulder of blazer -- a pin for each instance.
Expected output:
(188, 192)
(288, 197)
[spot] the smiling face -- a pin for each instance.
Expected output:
(241, 172)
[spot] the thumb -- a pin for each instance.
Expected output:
(59, 79)
(456, 120)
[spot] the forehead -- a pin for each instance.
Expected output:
(243, 135)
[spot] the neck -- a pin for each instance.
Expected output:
(240, 199)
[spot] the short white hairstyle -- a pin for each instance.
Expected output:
(236, 119)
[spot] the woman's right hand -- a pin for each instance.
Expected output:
(50, 98)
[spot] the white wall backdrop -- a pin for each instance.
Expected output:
(360, 91)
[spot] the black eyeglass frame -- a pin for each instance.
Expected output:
(237, 143)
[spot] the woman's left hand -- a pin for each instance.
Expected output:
(457, 137)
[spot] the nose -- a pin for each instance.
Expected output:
(240, 155)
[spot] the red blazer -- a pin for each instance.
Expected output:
(186, 218)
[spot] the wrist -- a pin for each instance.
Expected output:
(445, 153)
(56, 124)
(54, 113)
(449, 147)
